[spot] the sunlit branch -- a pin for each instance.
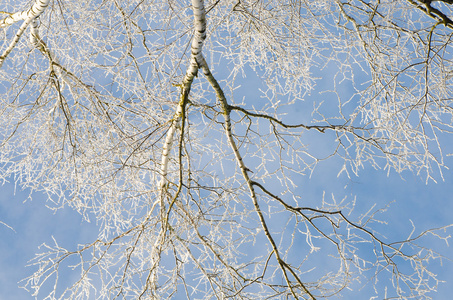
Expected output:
(434, 12)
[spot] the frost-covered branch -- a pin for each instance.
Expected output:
(285, 268)
(214, 188)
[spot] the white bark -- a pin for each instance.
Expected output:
(168, 146)
(34, 33)
(35, 11)
(27, 16)
(196, 55)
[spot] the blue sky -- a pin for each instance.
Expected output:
(33, 224)
(427, 206)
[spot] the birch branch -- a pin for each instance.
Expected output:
(178, 117)
(197, 60)
(35, 11)
(27, 16)
(196, 48)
